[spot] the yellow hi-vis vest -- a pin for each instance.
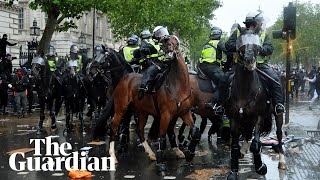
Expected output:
(209, 52)
(128, 53)
(261, 59)
(52, 63)
(79, 61)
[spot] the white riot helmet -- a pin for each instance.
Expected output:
(159, 32)
(74, 49)
(255, 19)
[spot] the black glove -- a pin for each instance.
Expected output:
(145, 51)
(134, 61)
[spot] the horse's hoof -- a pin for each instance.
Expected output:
(282, 165)
(189, 155)
(262, 170)
(179, 153)
(152, 157)
(233, 176)
(162, 168)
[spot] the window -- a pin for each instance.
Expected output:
(45, 18)
(21, 20)
(85, 23)
(98, 26)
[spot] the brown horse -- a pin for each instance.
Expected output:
(171, 100)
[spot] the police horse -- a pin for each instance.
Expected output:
(48, 90)
(247, 106)
(74, 91)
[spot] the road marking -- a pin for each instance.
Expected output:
(23, 173)
(129, 176)
(57, 174)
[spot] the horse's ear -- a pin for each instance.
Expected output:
(103, 47)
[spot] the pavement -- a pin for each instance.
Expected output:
(211, 162)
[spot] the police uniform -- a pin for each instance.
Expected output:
(265, 51)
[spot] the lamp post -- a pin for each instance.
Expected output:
(82, 40)
(32, 45)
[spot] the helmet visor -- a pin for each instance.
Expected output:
(72, 63)
(38, 60)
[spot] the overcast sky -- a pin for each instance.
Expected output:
(236, 10)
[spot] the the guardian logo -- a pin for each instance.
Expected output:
(52, 161)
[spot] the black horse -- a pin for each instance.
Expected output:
(248, 106)
(114, 65)
(48, 86)
(98, 83)
(74, 91)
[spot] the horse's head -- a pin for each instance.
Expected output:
(37, 65)
(247, 47)
(96, 66)
(71, 67)
(170, 45)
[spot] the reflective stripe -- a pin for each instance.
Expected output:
(262, 59)
(209, 52)
(79, 60)
(52, 64)
(128, 53)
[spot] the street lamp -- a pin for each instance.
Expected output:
(82, 39)
(34, 30)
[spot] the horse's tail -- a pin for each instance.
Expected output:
(102, 126)
(266, 126)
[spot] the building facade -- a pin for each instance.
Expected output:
(17, 20)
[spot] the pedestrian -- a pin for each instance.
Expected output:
(3, 46)
(20, 84)
(316, 81)
(3, 94)
(311, 75)
(6, 66)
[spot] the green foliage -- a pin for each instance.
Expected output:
(307, 44)
(189, 19)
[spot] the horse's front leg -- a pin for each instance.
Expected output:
(142, 120)
(42, 116)
(279, 123)
(52, 113)
(256, 148)
(235, 149)
(67, 107)
(194, 134)
(80, 110)
(172, 139)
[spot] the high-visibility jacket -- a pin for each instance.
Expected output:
(209, 52)
(128, 52)
(262, 59)
(52, 60)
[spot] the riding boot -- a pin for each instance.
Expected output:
(39, 131)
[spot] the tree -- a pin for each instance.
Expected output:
(306, 45)
(57, 11)
(189, 19)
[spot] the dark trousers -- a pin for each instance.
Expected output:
(150, 74)
(274, 87)
(3, 99)
(215, 74)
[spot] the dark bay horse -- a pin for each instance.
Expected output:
(247, 106)
(171, 100)
(74, 91)
(48, 90)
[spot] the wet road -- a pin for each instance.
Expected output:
(211, 161)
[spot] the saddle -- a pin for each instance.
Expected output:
(204, 83)
(158, 81)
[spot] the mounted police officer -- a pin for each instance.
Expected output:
(255, 21)
(132, 44)
(52, 61)
(155, 57)
(210, 62)
(74, 55)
